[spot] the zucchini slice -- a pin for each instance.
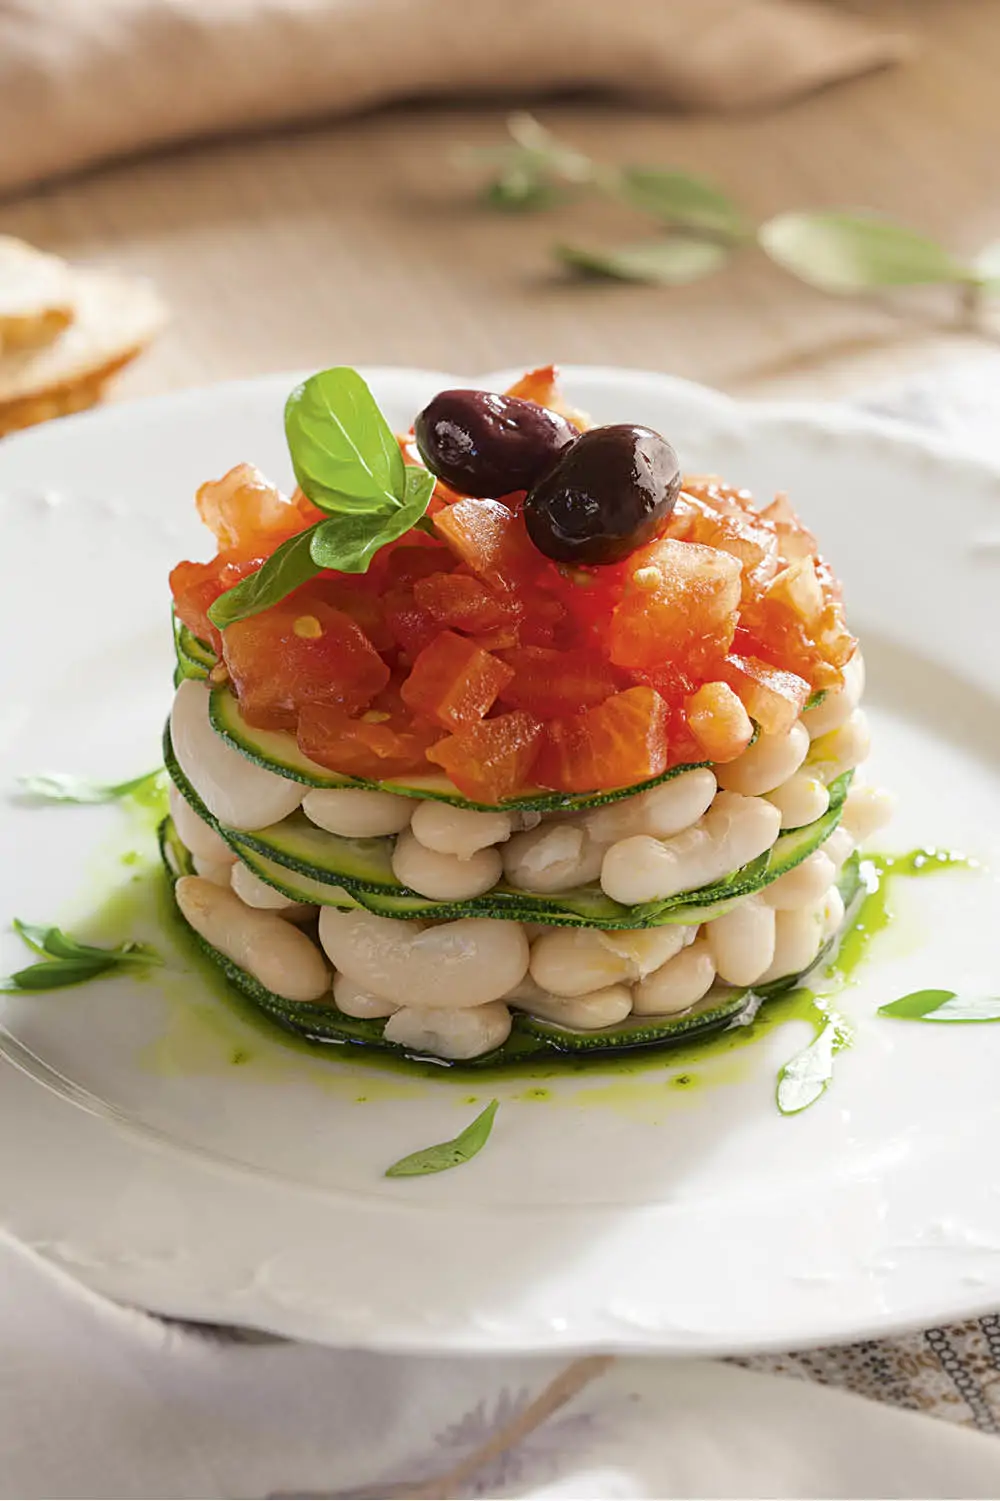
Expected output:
(532, 1039)
(195, 659)
(311, 865)
(278, 751)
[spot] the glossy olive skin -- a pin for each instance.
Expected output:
(487, 445)
(608, 494)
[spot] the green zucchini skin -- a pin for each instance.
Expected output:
(532, 1039)
(308, 864)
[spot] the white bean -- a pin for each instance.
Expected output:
(585, 1013)
(442, 1033)
(356, 813)
(272, 950)
(661, 811)
(734, 831)
(866, 810)
(554, 857)
(574, 961)
(840, 702)
(458, 831)
(235, 790)
(444, 878)
(449, 966)
(800, 800)
(833, 913)
(216, 871)
(804, 884)
(838, 847)
(741, 941)
(257, 893)
(840, 750)
(194, 833)
(771, 760)
(353, 1001)
(677, 985)
(798, 936)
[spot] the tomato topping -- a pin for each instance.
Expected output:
(774, 698)
(622, 741)
(679, 605)
(377, 745)
(540, 386)
(465, 603)
(454, 681)
(490, 538)
(551, 683)
(247, 514)
(196, 587)
(300, 652)
(491, 760)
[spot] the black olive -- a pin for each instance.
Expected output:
(483, 444)
(608, 494)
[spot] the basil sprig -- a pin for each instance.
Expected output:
(942, 1006)
(61, 787)
(349, 464)
(66, 961)
(447, 1153)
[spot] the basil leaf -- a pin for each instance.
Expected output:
(844, 252)
(56, 974)
(803, 1078)
(349, 542)
(59, 787)
(344, 453)
(678, 198)
(288, 566)
(448, 1153)
(522, 188)
(943, 1006)
(669, 263)
(56, 944)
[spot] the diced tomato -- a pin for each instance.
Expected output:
(490, 538)
(720, 725)
(298, 654)
(680, 605)
(540, 386)
(357, 597)
(413, 557)
(491, 760)
(552, 683)
(375, 745)
(465, 603)
(774, 698)
(246, 513)
(454, 682)
(196, 587)
(619, 743)
(409, 624)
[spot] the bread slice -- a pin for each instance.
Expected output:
(113, 319)
(36, 295)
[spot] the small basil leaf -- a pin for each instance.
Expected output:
(349, 542)
(288, 566)
(345, 454)
(448, 1153)
(59, 787)
(943, 1006)
(669, 263)
(844, 252)
(678, 198)
(520, 189)
(803, 1078)
(56, 974)
(56, 944)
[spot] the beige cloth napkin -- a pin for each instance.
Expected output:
(85, 80)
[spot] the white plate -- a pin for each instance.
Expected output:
(618, 1212)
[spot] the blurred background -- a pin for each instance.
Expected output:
(358, 234)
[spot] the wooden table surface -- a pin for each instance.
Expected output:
(360, 243)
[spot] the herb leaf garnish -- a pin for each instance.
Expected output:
(942, 1006)
(681, 199)
(288, 566)
(670, 263)
(349, 464)
(447, 1154)
(66, 961)
(60, 787)
(844, 252)
(804, 1078)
